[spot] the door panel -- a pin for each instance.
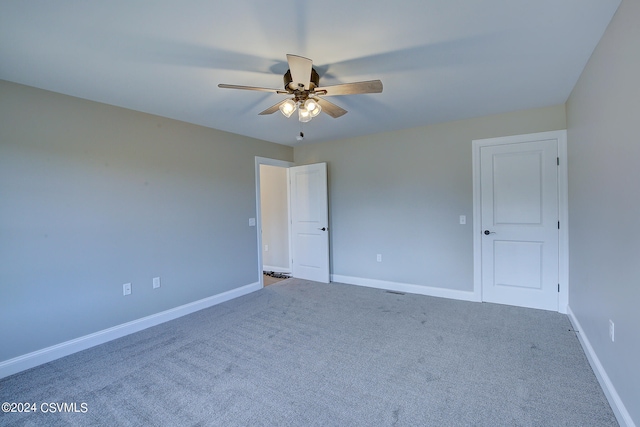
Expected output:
(309, 222)
(519, 210)
(517, 188)
(518, 264)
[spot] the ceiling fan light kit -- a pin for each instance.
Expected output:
(303, 82)
(288, 107)
(304, 115)
(313, 107)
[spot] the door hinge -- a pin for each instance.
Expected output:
(558, 161)
(558, 225)
(558, 287)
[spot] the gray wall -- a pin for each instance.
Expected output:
(604, 202)
(274, 208)
(94, 196)
(400, 194)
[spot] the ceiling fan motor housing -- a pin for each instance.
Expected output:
(314, 82)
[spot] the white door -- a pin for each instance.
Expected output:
(309, 222)
(519, 217)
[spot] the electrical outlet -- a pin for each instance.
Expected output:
(379, 257)
(612, 331)
(266, 248)
(126, 289)
(463, 219)
(156, 282)
(252, 222)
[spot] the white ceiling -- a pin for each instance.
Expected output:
(439, 60)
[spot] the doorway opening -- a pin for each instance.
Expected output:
(304, 253)
(273, 221)
(274, 224)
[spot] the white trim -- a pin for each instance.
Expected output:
(477, 222)
(271, 162)
(276, 269)
(620, 411)
(563, 208)
(38, 357)
(406, 287)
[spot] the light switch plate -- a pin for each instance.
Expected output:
(252, 222)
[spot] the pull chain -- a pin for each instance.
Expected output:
(300, 137)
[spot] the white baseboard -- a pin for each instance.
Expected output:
(276, 269)
(620, 411)
(406, 287)
(38, 357)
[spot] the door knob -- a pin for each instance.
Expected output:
(322, 229)
(487, 232)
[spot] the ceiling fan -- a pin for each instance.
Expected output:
(302, 81)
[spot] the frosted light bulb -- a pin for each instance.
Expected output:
(304, 115)
(288, 107)
(313, 107)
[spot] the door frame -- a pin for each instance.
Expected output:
(563, 208)
(270, 162)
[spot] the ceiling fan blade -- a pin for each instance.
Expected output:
(261, 89)
(330, 108)
(272, 109)
(300, 71)
(371, 86)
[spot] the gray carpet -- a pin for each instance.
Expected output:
(307, 354)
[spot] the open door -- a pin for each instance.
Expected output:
(309, 222)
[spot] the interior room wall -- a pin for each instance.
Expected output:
(274, 207)
(400, 194)
(604, 203)
(94, 196)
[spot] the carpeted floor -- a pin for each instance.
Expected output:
(300, 353)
